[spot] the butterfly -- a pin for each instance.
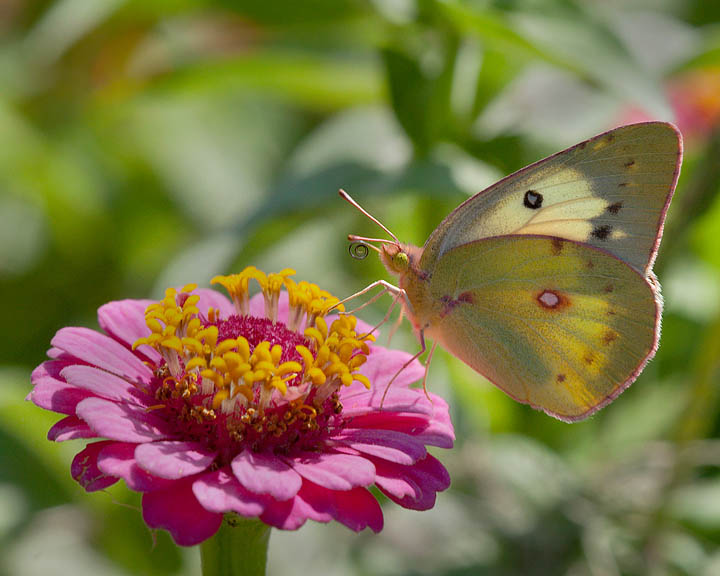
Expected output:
(543, 282)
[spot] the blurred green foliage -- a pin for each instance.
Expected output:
(150, 143)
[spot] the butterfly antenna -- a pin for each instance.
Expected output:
(349, 199)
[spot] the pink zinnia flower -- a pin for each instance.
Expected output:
(263, 407)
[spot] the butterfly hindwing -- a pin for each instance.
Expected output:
(556, 324)
(611, 191)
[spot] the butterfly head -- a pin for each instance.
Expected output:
(395, 258)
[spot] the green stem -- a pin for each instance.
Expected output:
(238, 549)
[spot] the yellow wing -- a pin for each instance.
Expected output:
(611, 191)
(556, 324)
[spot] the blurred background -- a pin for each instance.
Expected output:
(150, 143)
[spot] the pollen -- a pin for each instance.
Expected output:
(269, 380)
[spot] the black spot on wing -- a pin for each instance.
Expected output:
(615, 208)
(602, 232)
(532, 199)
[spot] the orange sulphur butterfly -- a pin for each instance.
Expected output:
(543, 282)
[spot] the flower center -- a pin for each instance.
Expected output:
(248, 381)
(257, 330)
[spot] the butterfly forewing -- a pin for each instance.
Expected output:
(611, 191)
(556, 324)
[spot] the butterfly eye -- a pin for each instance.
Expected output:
(400, 261)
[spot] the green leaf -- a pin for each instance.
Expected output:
(698, 505)
(496, 31)
(27, 459)
(307, 193)
(318, 81)
(497, 70)
(420, 92)
(581, 36)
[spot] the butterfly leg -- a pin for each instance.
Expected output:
(396, 325)
(387, 315)
(423, 347)
(387, 288)
(365, 304)
(427, 367)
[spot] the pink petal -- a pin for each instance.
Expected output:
(57, 396)
(118, 459)
(257, 306)
(414, 500)
(179, 512)
(51, 392)
(70, 428)
(440, 430)
(124, 320)
(213, 299)
(441, 412)
(266, 474)
(121, 422)
(401, 488)
(388, 445)
(292, 514)
(102, 351)
(49, 369)
(102, 384)
(383, 363)
(431, 473)
(437, 434)
(85, 471)
(429, 431)
(397, 400)
(394, 480)
(173, 459)
(334, 471)
(57, 354)
(220, 492)
(380, 420)
(413, 487)
(357, 508)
